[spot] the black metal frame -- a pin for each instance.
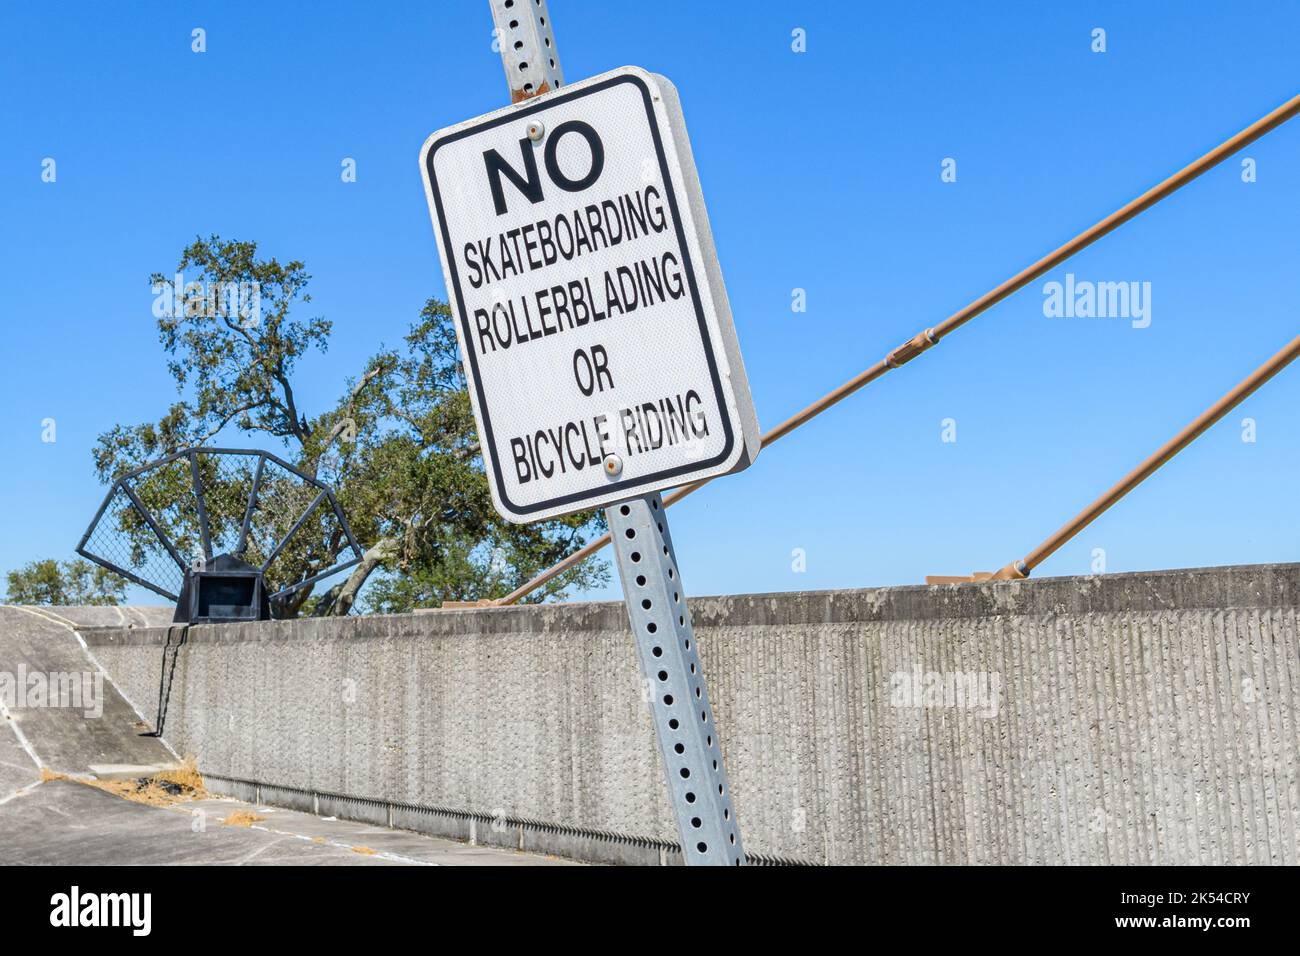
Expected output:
(125, 484)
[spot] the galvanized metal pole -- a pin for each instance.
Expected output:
(652, 586)
(670, 665)
(527, 39)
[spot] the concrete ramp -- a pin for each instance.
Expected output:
(18, 768)
(62, 712)
(156, 615)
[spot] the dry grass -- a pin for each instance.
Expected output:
(242, 818)
(186, 775)
(150, 792)
(161, 790)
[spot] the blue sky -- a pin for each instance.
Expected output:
(822, 172)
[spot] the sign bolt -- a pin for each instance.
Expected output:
(536, 131)
(613, 465)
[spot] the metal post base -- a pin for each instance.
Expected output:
(665, 644)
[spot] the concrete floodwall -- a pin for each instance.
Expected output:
(1135, 718)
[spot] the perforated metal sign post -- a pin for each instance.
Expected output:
(670, 664)
(599, 348)
(593, 321)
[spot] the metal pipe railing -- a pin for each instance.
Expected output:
(1194, 430)
(930, 337)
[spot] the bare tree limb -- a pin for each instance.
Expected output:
(346, 595)
(226, 420)
(348, 420)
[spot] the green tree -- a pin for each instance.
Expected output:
(399, 446)
(74, 582)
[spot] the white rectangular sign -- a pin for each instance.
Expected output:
(591, 313)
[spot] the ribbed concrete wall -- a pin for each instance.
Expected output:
(1142, 718)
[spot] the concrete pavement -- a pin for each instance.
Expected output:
(63, 822)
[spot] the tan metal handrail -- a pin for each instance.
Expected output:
(1021, 568)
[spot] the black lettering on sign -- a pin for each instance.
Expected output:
(597, 156)
(520, 452)
(529, 182)
(591, 371)
(531, 186)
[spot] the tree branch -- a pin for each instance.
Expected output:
(345, 595)
(227, 419)
(341, 426)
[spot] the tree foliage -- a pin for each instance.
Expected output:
(399, 445)
(70, 583)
